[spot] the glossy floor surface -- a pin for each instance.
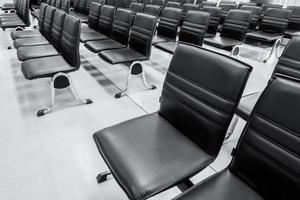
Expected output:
(54, 157)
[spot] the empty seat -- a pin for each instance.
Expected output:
(265, 163)
(93, 18)
(168, 25)
(119, 35)
(294, 24)
(57, 67)
(226, 7)
(150, 154)
(256, 10)
(233, 31)
(192, 30)
(173, 4)
(215, 16)
(104, 27)
(153, 10)
(136, 7)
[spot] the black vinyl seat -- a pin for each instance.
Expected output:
(255, 17)
(293, 27)
(93, 18)
(233, 31)
(136, 7)
(47, 28)
(104, 25)
(57, 67)
(192, 31)
(52, 49)
(153, 10)
(168, 25)
(139, 48)
(226, 7)
(173, 4)
(265, 163)
(215, 16)
(32, 33)
(150, 154)
(119, 35)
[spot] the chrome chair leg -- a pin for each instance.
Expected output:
(232, 127)
(275, 49)
(235, 51)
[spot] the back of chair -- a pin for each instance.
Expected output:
(141, 33)
(200, 94)
(136, 7)
(215, 15)
(94, 14)
(153, 10)
(65, 5)
(70, 41)
(256, 10)
(82, 6)
(58, 3)
(76, 5)
(106, 19)
(266, 6)
(295, 17)
(48, 2)
(48, 21)
(209, 3)
(236, 24)
(146, 2)
(241, 4)
(121, 25)
(194, 27)
(52, 3)
(42, 16)
(188, 6)
(173, 4)
(275, 20)
(169, 22)
(23, 11)
(57, 30)
(161, 3)
(226, 7)
(267, 156)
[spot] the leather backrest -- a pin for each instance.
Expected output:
(22, 10)
(295, 17)
(136, 7)
(173, 4)
(153, 10)
(48, 2)
(267, 156)
(199, 1)
(266, 6)
(256, 10)
(226, 7)
(42, 16)
(110, 2)
(194, 27)
(169, 22)
(188, 6)
(57, 29)
(241, 4)
(161, 3)
(76, 5)
(275, 20)
(94, 15)
(236, 24)
(70, 41)
(65, 5)
(200, 94)
(289, 62)
(58, 3)
(146, 2)
(121, 25)
(82, 6)
(141, 34)
(106, 19)
(208, 3)
(52, 3)
(215, 15)
(48, 21)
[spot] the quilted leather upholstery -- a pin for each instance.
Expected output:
(215, 15)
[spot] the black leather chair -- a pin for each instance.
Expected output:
(93, 18)
(192, 31)
(51, 49)
(47, 28)
(241, 4)
(265, 7)
(208, 3)
(136, 7)
(187, 7)
(146, 2)
(139, 49)
(233, 31)
(52, 3)
(173, 4)
(226, 7)
(271, 29)
(32, 33)
(58, 67)
(150, 154)
(293, 27)
(161, 3)
(153, 10)
(9, 6)
(215, 16)
(265, 163)
(119, 35)
(104, 27)
(198, 2)
(168, 25)
(256, 10)
(80, 10)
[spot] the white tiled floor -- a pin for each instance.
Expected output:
(54, 157)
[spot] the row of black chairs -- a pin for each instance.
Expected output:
(200, 95)
(58, 4)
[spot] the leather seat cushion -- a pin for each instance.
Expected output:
(291, 32)
(10, 18)
(45, 67)
(246, 105)
(209, 35)
(138, 151)
(8, 6)
(30, 52)
(83, 18)
(85, 28)
(223, 186)
(33, 41)
(221, 42)
(25, 34)
(159, 39)
(12, 24)
(263, 36)
(8, 15)
(100, 45)
(167, 46)
(122, 55)
(92, 35)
